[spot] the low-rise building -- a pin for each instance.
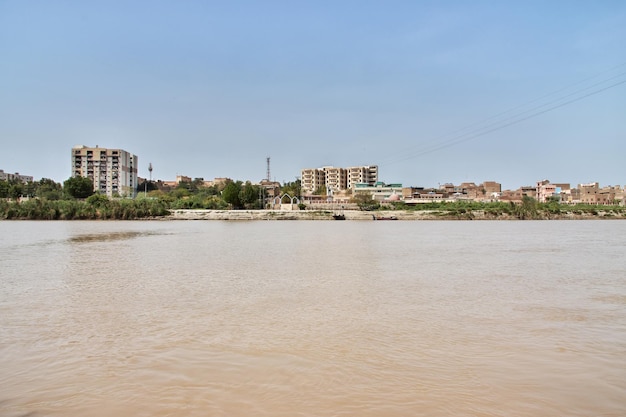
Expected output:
(589, 192)
(416, 195)
(5, 176)
(380, 191)
(492, 188)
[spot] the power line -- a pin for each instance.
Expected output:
(464, 138)
(483, 129)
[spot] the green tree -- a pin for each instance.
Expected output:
(528, 208)
(98, 200)
(365, 201)
(146, 187)
(249, 195)
(231, 194)
(16, 190)
(48, 189)
(292, 188)
(4, 189)
(78, 187)
(29, 189)
(321, 190)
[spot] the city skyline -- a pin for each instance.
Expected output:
(430, 92)
(374, 181)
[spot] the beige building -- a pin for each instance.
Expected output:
(362, 175)
(113, 171)
(337, 179)
(589, 193)
(492, 187)
(312, 179)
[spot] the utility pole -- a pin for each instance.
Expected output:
(145, 188)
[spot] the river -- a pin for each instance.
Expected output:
(313, 318)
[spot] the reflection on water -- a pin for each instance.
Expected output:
(312, 318)
(102, 237)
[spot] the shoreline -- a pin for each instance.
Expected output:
(401, 215)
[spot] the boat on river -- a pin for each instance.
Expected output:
(338, 214)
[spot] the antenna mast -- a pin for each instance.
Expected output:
(268, 169)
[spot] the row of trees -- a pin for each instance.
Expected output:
(76, 199)
(231, 194)
(94, 207)
(75, 187)
(527, 209)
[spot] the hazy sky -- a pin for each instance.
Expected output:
(431, 91)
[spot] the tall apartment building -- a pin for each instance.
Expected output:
(362, 175)
(113, 171)
(311, 179)
(336, 179)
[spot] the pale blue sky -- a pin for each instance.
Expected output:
(210, 89)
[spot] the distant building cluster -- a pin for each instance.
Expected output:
(542, 191)
(5, 176)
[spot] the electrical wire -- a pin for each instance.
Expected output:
(457, 137)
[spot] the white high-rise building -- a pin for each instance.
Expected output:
(113, 171)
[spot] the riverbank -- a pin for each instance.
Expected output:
(368, 215)
(147, 209)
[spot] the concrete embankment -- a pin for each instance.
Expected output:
(264, 215)
(368, 215)
(311, 215)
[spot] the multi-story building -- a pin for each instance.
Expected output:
(5, 176)
(113, 171)
(491, 188)
(362, 175)
(589, 192)
(337, 179)
(545, 191)
(311, 180)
